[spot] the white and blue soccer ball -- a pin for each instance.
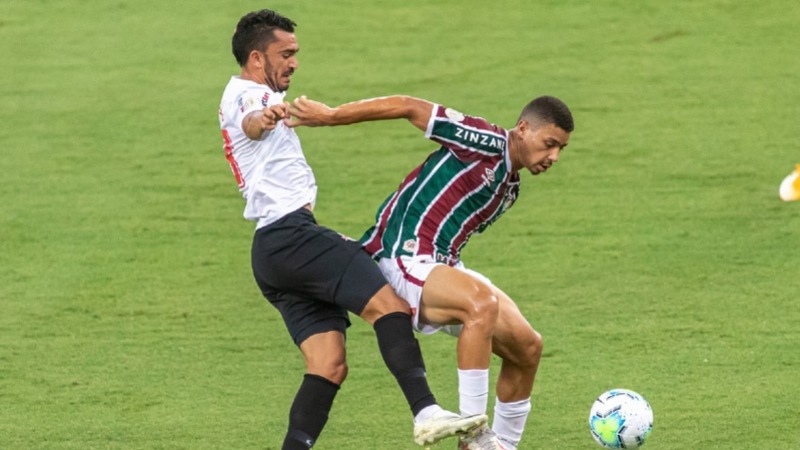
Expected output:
(620, 418)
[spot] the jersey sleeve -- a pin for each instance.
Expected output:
(468, 137)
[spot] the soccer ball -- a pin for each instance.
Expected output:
(620, 419)
(790, 187)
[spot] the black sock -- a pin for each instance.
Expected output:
(309, 412)
(403, 357)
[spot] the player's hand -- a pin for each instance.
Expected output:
(310, 113)
(270, 116)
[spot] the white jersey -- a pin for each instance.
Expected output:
(273, 174)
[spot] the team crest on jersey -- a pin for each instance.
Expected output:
(453, 115)
(410, 245)
(265, 99)
(245, 104)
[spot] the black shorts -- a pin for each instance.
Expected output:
(312, 274)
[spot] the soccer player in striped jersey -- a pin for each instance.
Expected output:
(310, 273)
(421, 228)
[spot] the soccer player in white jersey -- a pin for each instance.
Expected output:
(311, 274)
(460, 189)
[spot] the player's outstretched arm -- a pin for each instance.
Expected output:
(304, 111)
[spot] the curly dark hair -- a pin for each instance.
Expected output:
(255, 31)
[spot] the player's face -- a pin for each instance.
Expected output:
(541, 146)
(281, 60)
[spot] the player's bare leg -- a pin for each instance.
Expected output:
(390, 317)
(451, 296)
(520, 348)
(325, 356)
(326, 369)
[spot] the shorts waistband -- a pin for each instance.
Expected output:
(301, 214)
(437, 258)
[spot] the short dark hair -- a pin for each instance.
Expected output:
(547, 110)
(255, 31)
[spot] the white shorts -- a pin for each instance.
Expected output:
(407, 275)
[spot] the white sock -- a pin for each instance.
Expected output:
(473, 391)
(426, 413)
(509, 421)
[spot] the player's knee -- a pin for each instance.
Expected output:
(330, 364)
(339, 373)
(536, 346)
(332, 370)
(531, 346)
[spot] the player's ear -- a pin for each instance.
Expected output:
(257, 58)
(523, 125)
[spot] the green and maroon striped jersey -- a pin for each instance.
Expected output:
(460, 189)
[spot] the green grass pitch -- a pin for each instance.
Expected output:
(655, 256)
